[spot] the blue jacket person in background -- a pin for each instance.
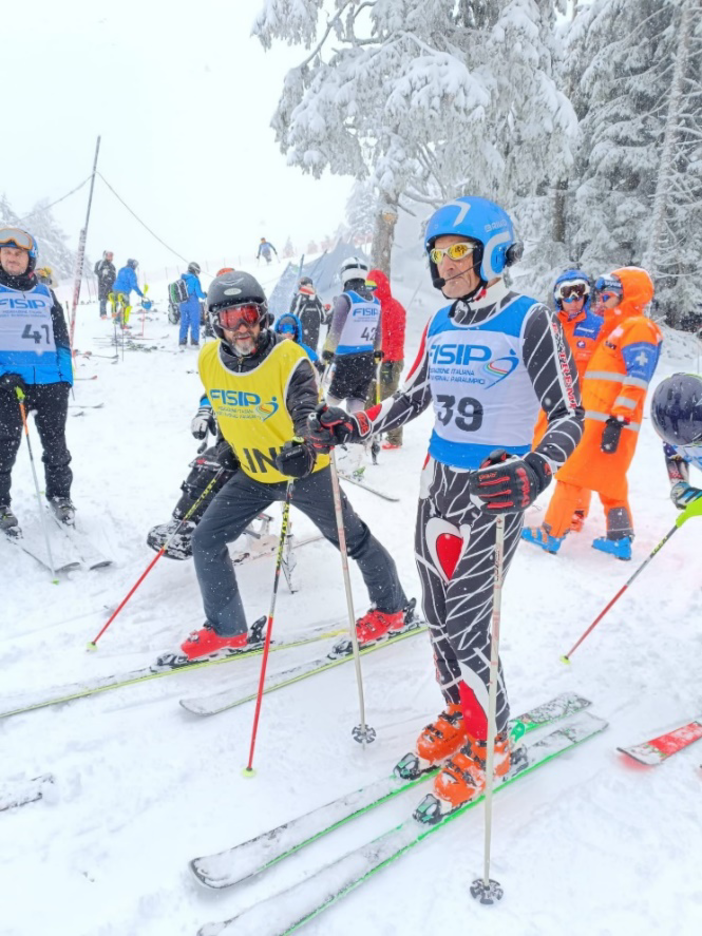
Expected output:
(190, 309)
(124, 284)
(35, 358)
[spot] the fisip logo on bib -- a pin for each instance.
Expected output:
(245, 405)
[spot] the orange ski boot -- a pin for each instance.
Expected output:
(463, 778)
(443, 737)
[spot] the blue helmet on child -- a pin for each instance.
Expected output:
(571, 282)
(484, 223)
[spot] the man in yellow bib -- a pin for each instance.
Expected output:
(262, 389)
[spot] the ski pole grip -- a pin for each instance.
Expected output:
(692, 510)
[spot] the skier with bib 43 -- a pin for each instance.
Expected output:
(487, 361)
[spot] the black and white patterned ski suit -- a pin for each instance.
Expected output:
(486, 366)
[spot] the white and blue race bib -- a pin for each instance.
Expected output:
(482, 394)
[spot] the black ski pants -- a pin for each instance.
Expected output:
(239, 502)
(50, 405)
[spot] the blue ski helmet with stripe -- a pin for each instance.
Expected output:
(485, 223)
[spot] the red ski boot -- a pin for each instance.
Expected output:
(375, 625)
(205, 643)
(463, 778)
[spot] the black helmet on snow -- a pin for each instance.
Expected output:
(194, 268)
(133, 264)
(676, 409)
(235, 289)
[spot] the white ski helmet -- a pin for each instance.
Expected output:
(353, 268)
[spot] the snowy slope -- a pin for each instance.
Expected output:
(591, 845)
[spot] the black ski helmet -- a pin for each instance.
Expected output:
(133, 264)
(194, 268)
(235, 289)
(676, 409)
(305, 281)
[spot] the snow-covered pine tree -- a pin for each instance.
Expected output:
(360, 211)
(7, 216)
(53, 250)
(424, 100)
(641, 152)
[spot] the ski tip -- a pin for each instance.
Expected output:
(248, 773)
(565, 659)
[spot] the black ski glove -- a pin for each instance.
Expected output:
(378, 356)
(11, 381)
(509, 484)
(327, 356)
(329, 426)
(297, 459)
(610, 434)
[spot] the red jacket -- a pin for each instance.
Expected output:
(392, 318)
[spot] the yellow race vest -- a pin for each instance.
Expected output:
(250, 407)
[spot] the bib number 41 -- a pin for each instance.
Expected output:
(466, 413)
(34, 334)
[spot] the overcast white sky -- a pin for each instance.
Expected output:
(182, 97)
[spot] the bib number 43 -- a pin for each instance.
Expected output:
(466, 413)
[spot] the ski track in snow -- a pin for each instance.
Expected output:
(590, 845)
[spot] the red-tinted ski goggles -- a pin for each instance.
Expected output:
(231, 319)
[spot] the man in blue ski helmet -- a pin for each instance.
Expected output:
(488, 360)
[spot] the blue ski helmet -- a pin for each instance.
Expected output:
(16, 237)
(483, 222)
(676, 409)
(570, 276)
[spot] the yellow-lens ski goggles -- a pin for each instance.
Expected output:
(455, 252)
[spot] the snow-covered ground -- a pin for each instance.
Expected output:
(590, 845)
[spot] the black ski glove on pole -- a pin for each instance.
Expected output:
(10, 381)
(509, 484)
(297, 459)
(329, 426)
(610, 435)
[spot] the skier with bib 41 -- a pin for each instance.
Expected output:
(35, 365)
(487, 361)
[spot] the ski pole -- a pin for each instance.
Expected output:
(362, 733)
(692, 510)
(42, 518)
(249, 771)
(93, 643)
(484, 889)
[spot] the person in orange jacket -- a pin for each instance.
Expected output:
(581, 327)
(614, 388)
